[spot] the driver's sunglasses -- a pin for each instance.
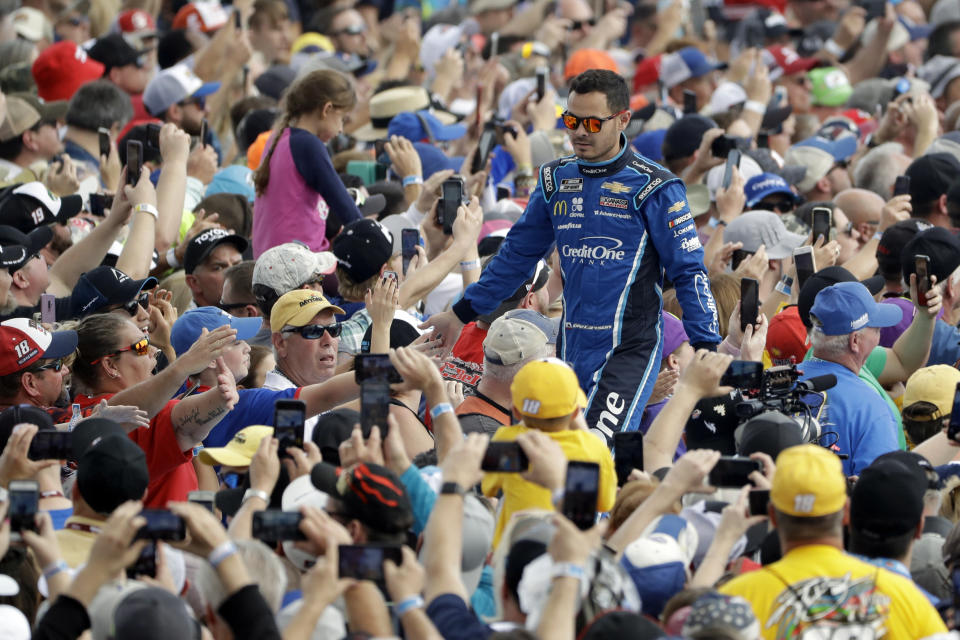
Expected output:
(54, 365)
(592, 124)
(141, 347)
(316, 331)
(132, 307)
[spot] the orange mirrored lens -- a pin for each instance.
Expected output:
(142, 347)
(570, 122)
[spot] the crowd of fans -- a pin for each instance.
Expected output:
(479, 319)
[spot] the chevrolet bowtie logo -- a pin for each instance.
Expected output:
(677, 206)
(616, 187)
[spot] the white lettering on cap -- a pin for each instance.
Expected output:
(860, 322)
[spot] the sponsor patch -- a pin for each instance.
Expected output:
(616, 203)
(560, 208)
(571, 184)
(612, 214)
(677, 207)
(679, 232)
(690, 244)
(548, 180)
(616, 187)
(595, 248)
(568, 225)
(680, 220)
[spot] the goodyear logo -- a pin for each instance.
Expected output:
(560, 208)
(677, 207)
(616, 187)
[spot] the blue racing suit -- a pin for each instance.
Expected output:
(618, 226)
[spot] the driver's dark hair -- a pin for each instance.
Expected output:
(606, 82)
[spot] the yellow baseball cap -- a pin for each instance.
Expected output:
(546, 388)
(298, 307)
(239, 451)
(809, 482)
(312, 42)
(935, 384)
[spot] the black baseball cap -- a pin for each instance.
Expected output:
(90, 431)
(202, 244)
(332, 428)
(369, 493)
(104, 286)
(931, 177)
(30, 205)
(22, 413)
(940, 245)
(362, 248)
(683, 137)
(113, 50)
(18, 247)
(275, 80)
(892, 242)
(887, 500)
(823, 279)
(770, 432)
(112, 471)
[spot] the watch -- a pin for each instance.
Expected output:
(452, 488)
(255, 493)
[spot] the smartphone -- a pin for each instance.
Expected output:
(100, 203)
(901, 186)
(24, 501)
(759, 499)
(541, 82)
(743, 374)
(246, 78)
(380, 150)
(503, 193)
(733, 471)
(488, 140)
(627, 454)
(721, 146)
(409, 241)
(374, 405)
(923, 278)
(479, 104)
(733, 160)
(450, 200)
(822, 221)
(953, 429)
(365, 561)
(506, 457)
(494, 44)
(162, 525)
(580, 493)
(274, 525)
(146, 562)
(805, 264)
(875, 9)
(48, 309)
(134, 161)
(390, 275)
(375, 366)
(749, 302)
(288, 419)
(203, 498)
(153, 135)
(104, 136)
(739, 256)
(689, 102)
(51, 445)
(237, 20)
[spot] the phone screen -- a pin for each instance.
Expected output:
(901, 186)
(488, 139)
(923, 278)
(506, 457)
(451, 199)
(134, 161)
(273, 525)
(288, 419)
(733, 472)
(365, 561)
(104, 137)
(739, 256)
(803, 260)
(627, 454)
(24, 500)
(689, 102)
(580, 493)
(743, 374)
(146, 562)
(205, 499)
(375, 366)
(733, 160)
(374, 405)
(759, 499)
(541, 83)
(203, 131)
(409, 240)
(162, 525)
(51, 445)
(822, 221)
(153, 135)
(749, 302)
(721, 146)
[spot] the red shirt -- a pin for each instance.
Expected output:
(172, 475)
(466, 365)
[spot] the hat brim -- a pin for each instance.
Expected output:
(205, 90)
(449, 132)
(39, 238)
(374, 203)
(223, 456)
(885, 315)
(369, 133)
(874, 284)
(246, 327)
(784, 248)
(63, 344)
(13, 256)
(54, 110)
(324, 477)
(69, 207)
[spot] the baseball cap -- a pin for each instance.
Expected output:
(18, 247)
(749, 169)
(683, 137)
(20, 414)
(847, 306)
(873, 91)
(931, 176)
(24, 341)
(887, 499)
(200, 16)
(840, 149)
(684, 64)
(934, 385)
(583, 59)
(362, 248)
(50, 111)
(90, 431)
(297, 308)
(289, 266)
(332, 428)
(674, 334)
(275, 80)
(769, 432)
(809, 482)
(538, 280)
(239, 451)
(817, 162)
(947, 143)
(786, 337)
(62, 68)
(153, 613)
(112, 471)
(942, 247)
(823, 279)
(939, 72)
(113, 50)
(616, 624)
(104, 286)
(174, 85)
(31, 25)
(755, 228)
(29, 205)
(785, 61)
(20, 117)
(436, 41)
(369, 493)
(546, 388)
(657, 562)
(235, 179)
(726, 96)
(893, 241)
(423, 125)
(433, 159)
(718, 615)
(189, 327)
(512, 340)
(650, 144)
(759, 187)
(202, 244)
(831, 87)
(135, 22)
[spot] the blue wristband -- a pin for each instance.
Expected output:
(440, 409)
(409, 180)
(53, 569)
(413, 602)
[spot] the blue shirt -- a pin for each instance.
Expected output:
(864, 425)
(254, 407)
(945, 347)
(59, 517)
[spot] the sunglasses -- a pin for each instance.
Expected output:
(141, 347)
(227, 306)
(352, 30)
(55, 365)
(576, 25)
(781, 206)
(592, 124)
(316, 331)
(200, 102)
(133, 307)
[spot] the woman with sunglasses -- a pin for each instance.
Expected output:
(115, 361)
(296, 183)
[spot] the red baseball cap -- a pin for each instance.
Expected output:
(787, 61)
(200, 16)
(786, 337)
(646, 73)
(584, 59)
(136, 22)
(62, 68)
(24, 341)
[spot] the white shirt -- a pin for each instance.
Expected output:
(276, 381)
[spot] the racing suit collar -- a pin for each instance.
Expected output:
(608, 168)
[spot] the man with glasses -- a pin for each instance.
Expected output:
(619, 222)
(789, 71)
(348, 32)
(107, 290)
(31, 363)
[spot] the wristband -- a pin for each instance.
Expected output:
(54, 568)
(409, 180)
(405, 605)
(4, 494)
(524, 170)
(755, 106)
(255, 493)
(144, 207)
(833, 48)
(470, 264)
(440, 409)
(567, 570)
(556, 497)
(172, 258)
(221, 553)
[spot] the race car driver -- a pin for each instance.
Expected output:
(619, 222)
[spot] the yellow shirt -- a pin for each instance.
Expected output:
(75, 543)
(519, 495)
(820, 591)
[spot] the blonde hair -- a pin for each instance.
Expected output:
(726, 293)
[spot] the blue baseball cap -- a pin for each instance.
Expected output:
(759, 187)
(684, 64)
(650, 144)
(433, 159)
(236, 179)
(188, 327)
(423, 125)
(841, 148)
(846, 307)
